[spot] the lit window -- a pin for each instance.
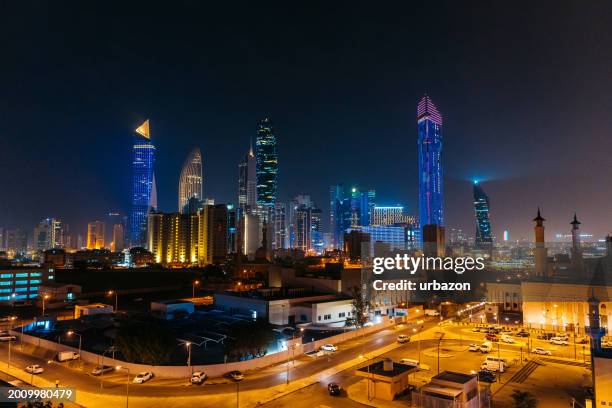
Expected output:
(33, 288)
(5, 291)
(21, 282)
(21, 289)
(34, 274)
(6, 275)
(34, 281)
(21, 275)
(6, 283)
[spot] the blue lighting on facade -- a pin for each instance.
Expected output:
(484, 238)
(142, 187)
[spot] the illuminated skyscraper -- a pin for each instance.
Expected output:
(431, 181)
(483, 224)
(143, 184)
(247, 182)
(48, 234)
(267, 163)
(190, 181)
(95, 235)
(351, 209)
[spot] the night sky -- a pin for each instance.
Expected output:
(525, 91)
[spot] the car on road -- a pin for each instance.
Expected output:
(507, 339)
(559, 341)
(486, 347)
(541, 351)
(491, 337)
(522, 333)
(99, 370)
(474, 347)
(545, 336)
(235, 375)
(334, 389)
(606, 343)
(198, 377)
(34, 369)
(329, 347)
(487, 376)
(402, 338)
(7, 337)
(66, 356)
(142, 377)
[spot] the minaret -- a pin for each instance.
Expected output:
(540, 252)
(577, 261)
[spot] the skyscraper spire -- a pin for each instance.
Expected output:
(144, 130)
(144, 194)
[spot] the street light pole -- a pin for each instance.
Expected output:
(116, 293)
(188, 344)
(70, 333)
(127, 385)
(45, 297)
(193, 285)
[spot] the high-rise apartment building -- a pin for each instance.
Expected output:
(280, 227)
(118, 243)
(267, 163)
(349, 209)
(389, 215)
(144, 195)
(484, 238)
(95, 235)
(191, 179)
(431, 181)
(16, 241)
(217, 232)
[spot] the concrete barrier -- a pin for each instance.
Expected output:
(213, 370)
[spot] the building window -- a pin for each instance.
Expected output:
(5, 291)
(6, 283)
(319, 318)
(303, 318)
(21, 282)
(34, 274)
(33, 288)
(343, 314)
(34, 281)
(21, 275)
(6, 275)
(21, 289)
(34, 296)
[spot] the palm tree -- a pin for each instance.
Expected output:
(524, 399)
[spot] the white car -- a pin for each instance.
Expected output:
(34, 369)
(474, 347)
(329, 347)
(542, 351)
(402, 338)
(507, 339)
(143, 377)
(198, 377)
(7, 337)
(558, 341)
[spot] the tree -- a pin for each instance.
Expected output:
(249, 339)
(359, 311)
(145, 341)
(524, 399)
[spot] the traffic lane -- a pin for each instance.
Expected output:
(314, 396)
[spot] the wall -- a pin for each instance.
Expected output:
(213, 370)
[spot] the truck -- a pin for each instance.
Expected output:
(66, 356)
(431, 312)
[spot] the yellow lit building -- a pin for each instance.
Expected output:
(95, 235)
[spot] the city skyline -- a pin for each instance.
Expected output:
(493, 125)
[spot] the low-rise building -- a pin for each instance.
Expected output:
(451, 389)
(92, 309)
(169, 309)
(386, 379)
(18, 284)
(58, 294)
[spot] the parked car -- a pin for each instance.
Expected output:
(198, 377)
(507, 339)
(542, 351)
(546, 336)
(142, 377)
(492, 337)
(487, 376)
(99, 370)
(66, 356)
(522, 333)
(329, 347)
(334, 389)
(235, 375)
(558, 341)
(402, 338)
(474, 347)
(7, 337)
(34, 369)
(494, 364)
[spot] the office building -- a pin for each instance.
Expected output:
(19, 284)
(266, 163)
(484, 239)
(349, 209)
(191, 179)
(118, 243)
(397, 236)
(217, 232)
(233, 222)
(247, 181)
(431, 180)
(48, 234)
(388, 215)
(143, 184)
(95, 235)
(251, 234)
(281, 238)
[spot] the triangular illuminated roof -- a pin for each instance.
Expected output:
(426, 109)
(144, 130)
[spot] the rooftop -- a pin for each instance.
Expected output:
(452, 376)
(377, 368)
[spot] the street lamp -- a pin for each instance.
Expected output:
(70, 333)
(188, 345)
(127, 384)
(45, 297)
(193, 285)
(116, 293)
(439, 341)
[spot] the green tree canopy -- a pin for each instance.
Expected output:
(524, 399)
(145, 341)
(249, 339)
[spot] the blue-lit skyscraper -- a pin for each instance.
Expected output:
(431, 181)
(143, 184)
(484, 238)
(266, 163)
(349, 209)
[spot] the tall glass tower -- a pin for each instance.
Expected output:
(190, 181)
(143, 184)
(431, 181)
(484, 238)
(266, 163)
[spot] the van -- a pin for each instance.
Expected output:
(486, 347)
(67, 356)
(491, 365)
(497, 359)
